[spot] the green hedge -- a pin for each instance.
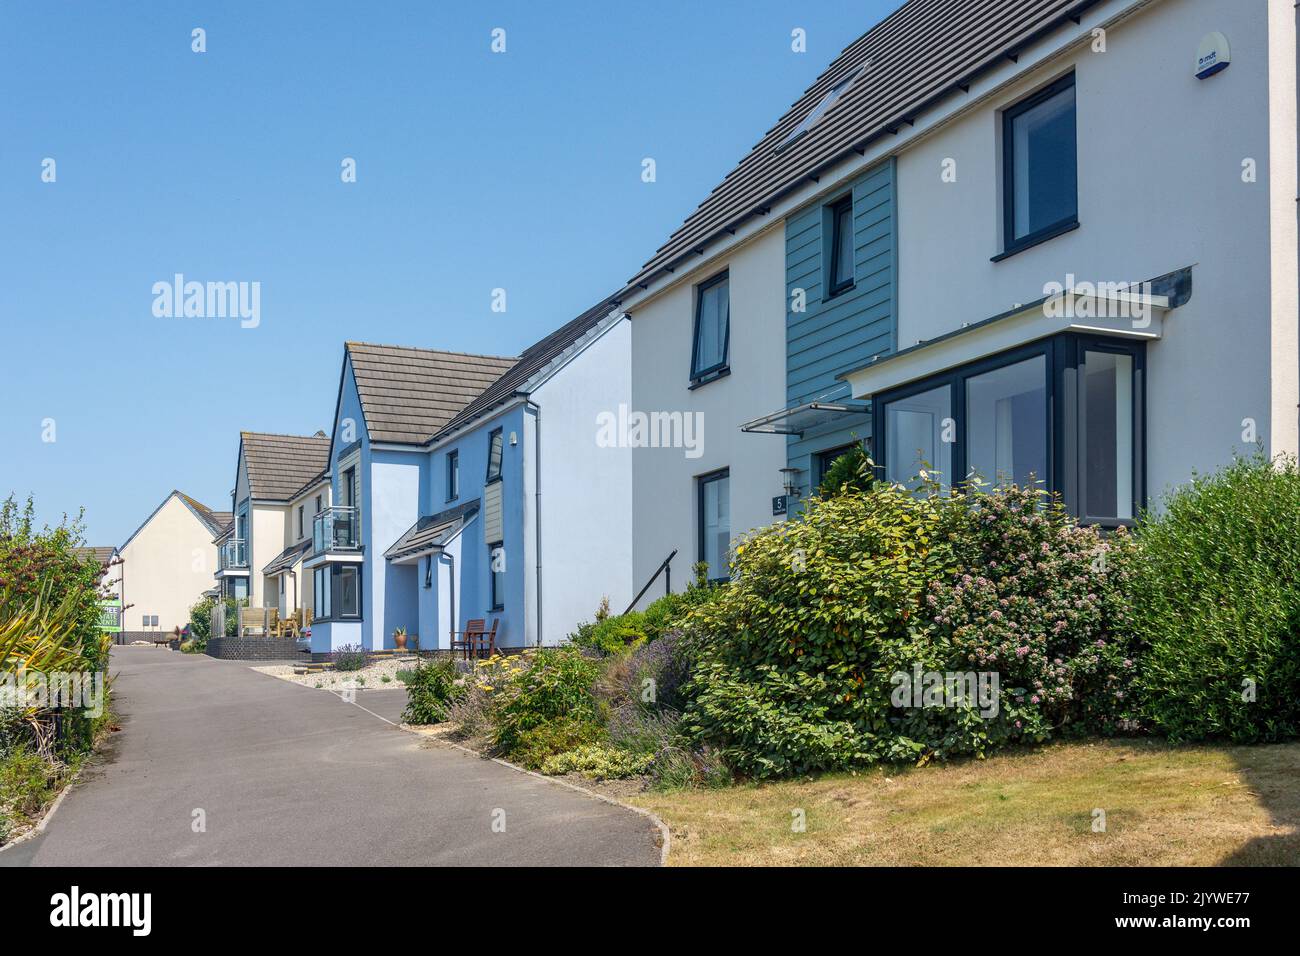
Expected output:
(1217, 603)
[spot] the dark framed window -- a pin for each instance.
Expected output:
(428, 573)
(1067, 412)
(1040, 189)
(320, 598)
(336, 592)
(301, 509)
(319, 503)
(453, 475)
(713, 508)
(825, 459)
(712, 328)
(495, 449)
(840, 277)
(497, 575)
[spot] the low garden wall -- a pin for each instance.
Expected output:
(255, 649)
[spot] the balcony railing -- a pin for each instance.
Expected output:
(233, 554)
(335, 529)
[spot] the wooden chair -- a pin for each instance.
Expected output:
(271, 626)
(290, 626)
(476, 639)
(252, 619)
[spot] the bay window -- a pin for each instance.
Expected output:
(336, 592)
(1065, 413)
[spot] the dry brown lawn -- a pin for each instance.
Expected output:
(1163, 805)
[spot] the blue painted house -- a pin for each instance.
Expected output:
(525, 516)
(391, 401)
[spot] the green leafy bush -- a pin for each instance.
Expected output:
(201, 619)
(850, 473)
(598, 762)
(1218, 604)
(798, 659)
(533, 747)
(430, 689)
(1042, 602)
(615, 634)
(555, 684)
(789, 671)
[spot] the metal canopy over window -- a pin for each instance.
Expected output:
(805, 417)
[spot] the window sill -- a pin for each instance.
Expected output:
(1035, 240)
(708, 377)
(842, 290)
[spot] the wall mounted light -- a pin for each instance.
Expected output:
(790, 479)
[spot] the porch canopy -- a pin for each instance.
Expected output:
(287, 558)
(431, 533)
(804, 417)
(1135, 312)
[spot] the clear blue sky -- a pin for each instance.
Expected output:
(475, 171)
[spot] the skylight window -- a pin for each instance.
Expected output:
(817, 112)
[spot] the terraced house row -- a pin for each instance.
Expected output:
(1048, 240)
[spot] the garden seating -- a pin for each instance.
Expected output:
(476, 640)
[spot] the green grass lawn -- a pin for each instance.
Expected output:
(1163, 805)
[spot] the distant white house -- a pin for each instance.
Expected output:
(165, 566)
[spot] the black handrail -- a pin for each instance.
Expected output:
(668, 580)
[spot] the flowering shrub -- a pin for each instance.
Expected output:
(798, 658)
(1042, 602)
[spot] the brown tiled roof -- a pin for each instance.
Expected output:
(534, 359)
(215, 520)
(407, 394)
(100, 555)
(280, 465)
(431, 531)
(918, 55)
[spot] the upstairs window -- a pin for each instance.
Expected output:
(453, 475)
(1040, 166)
(494, 455)
(712, 328)
(301, 509)
(841, 246)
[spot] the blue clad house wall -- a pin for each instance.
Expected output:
(392, 482)
(473, 565)
(835, 335)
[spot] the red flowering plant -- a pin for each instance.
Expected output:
(1041, 601)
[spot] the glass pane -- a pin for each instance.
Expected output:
(1108, 435)
(711, 328)
(1006, 423)
(844, 246)
(494, 456)
(920, 434)
(1044, 164)
(348, 605)
(717, 526)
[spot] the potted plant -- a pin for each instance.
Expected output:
(399, 638)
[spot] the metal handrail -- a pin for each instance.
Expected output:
(668, 580)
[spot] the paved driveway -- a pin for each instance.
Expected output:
(293, 776)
